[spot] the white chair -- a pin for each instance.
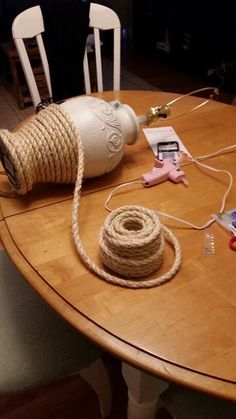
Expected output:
(29, 24)
(37, 346)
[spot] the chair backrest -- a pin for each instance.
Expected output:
(29, 24)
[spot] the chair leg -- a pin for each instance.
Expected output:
(97, 377)
(143, 391)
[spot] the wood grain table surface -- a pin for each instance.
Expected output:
(182, 331)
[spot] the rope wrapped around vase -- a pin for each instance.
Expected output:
(44, 150)
(132, 237)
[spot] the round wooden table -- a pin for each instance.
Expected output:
(182, 331)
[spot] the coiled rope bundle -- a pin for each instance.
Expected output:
(44, 150)
(49, 149)
(131, 241)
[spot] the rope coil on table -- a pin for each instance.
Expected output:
(49, 149)
(131, 241)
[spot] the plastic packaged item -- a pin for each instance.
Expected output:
(227, 220)
(209, 239)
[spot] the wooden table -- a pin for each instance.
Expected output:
(182, 331)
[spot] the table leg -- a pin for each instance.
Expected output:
(143, 392)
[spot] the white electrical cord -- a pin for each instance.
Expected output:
(197, 162)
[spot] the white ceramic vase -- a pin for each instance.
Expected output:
(104, 130)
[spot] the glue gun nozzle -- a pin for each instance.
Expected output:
(185, 181)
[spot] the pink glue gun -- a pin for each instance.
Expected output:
(164, 170)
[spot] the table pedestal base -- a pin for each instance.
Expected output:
(143, 391)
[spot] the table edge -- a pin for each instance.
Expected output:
(122, 350)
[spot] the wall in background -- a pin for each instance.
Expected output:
(124, 9)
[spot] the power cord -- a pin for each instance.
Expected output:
(197, 161)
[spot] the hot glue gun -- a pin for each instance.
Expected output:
(162, 171)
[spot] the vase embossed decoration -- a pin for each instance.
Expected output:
(104, 130)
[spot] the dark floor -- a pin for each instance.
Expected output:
(69, 398)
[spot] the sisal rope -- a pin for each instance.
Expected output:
(49, 149)
(119, 238)
(44, 150)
